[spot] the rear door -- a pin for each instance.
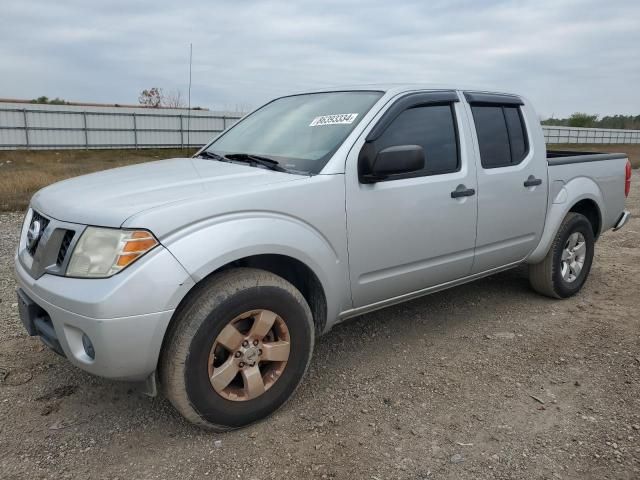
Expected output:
(407, 233)
(512, 181)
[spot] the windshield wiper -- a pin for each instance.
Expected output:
(213, 156)
(269, 163)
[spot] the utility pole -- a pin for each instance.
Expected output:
(189, 95)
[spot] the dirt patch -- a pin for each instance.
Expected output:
(487, 380)
(58, 393)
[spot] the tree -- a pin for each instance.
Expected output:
(173, 99)
(618, 121)
(155, 97)
(151, 98)
(45, 100)
(579, 119)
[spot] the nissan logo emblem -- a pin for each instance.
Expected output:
(33, 234)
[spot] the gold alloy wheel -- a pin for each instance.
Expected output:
(249, 355)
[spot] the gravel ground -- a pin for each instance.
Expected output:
(487, 380)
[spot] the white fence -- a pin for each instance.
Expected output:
(35, 126)
(589, 135)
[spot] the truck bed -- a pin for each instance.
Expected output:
(601, 175)
(564, 157)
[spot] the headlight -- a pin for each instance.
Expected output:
(103, 252)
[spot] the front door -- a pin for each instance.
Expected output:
(408, 232)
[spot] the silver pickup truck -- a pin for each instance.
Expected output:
(211, 276)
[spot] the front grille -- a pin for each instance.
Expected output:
(64, 247)
(42, 222)
(48, 245)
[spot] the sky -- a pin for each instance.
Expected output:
(565, 56)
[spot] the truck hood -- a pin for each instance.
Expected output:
(109, 197)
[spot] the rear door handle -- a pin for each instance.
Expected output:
(462, 191)
(532, 181)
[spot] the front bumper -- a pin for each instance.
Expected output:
(125, 316)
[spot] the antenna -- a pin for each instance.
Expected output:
(189, 96)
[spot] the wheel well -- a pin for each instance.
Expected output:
(295, 272)
(589, 209)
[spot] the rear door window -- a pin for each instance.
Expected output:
(501, 135)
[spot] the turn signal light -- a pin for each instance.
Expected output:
(139, 243)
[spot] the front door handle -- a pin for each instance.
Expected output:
(532, 181)
(462, 191)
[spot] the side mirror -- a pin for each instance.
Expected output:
(392, 161)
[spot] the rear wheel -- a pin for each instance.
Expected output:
(566, 267)
(238, 349)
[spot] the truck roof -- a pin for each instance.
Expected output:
(395, 88)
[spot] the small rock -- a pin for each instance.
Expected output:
(577, 383)
(217, 443)
(457, 458)
(57, 425)
(505, 335)
(49, 409)
(14, 305)
(636, 427)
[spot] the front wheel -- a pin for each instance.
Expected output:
(237, 349)
(566, 267)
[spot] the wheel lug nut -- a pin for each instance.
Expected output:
(260, 352)
(237, 354)
(255, 342)
(241, 364)
(245, 343)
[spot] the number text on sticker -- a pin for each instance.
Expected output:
(341, 118)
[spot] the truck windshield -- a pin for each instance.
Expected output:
(300, 132)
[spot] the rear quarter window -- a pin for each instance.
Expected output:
(517, 138)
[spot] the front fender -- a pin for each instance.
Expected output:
(562, 198)
(205, 247)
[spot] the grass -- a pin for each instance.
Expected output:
(23, 172)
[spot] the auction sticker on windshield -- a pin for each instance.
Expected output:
(338, 119)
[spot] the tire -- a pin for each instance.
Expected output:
(195, 345)
(551, 277)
